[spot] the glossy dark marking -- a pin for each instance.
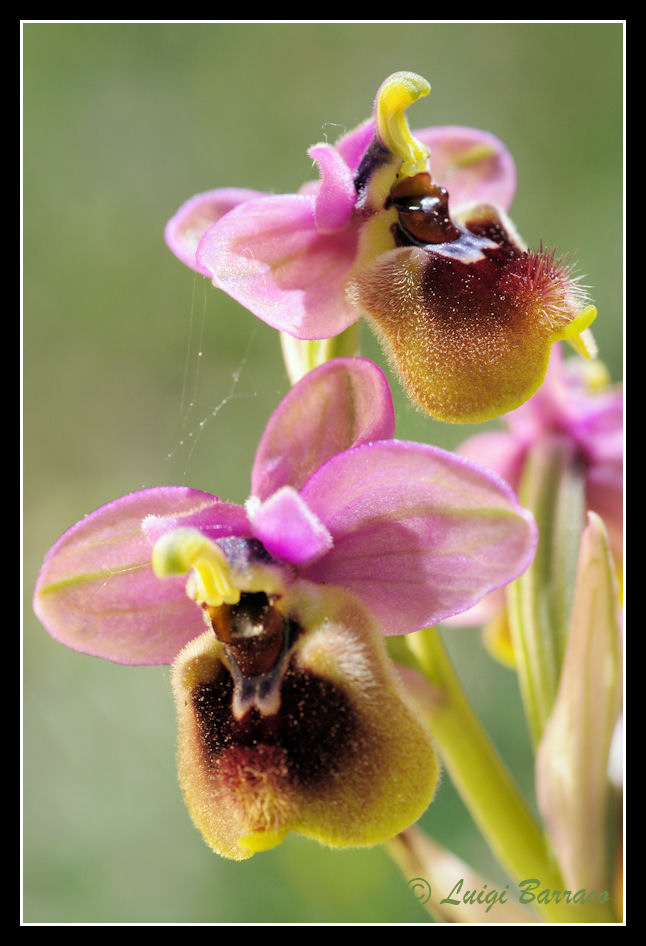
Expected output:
(485, 291)
(424, 218)
(254, 631)
(374, 157)
(312, 731)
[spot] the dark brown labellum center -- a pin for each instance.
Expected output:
(311, 733)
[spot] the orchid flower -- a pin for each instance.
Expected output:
(577, 408)
(578, 404)
(465, 311)
(290, 714)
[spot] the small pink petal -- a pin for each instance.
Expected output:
(310, 188)
(187, 227)
(473, 165)
(336, 196)
(287, 528)
(268, 255)
(97, 593)
(419, 534)
(341, 404)
(353, 145)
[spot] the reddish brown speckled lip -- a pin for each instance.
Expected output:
(309, 734)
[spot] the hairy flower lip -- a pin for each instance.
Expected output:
(468, 324)
(339, 757)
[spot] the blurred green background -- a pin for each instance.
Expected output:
(138, 373)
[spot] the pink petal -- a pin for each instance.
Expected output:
(596, 422)
(473, 165)
(353, 145)
(419, 534)
(336, 196)
(605, 496)
(341, 404)
(499, 451)
(187, 227)
(96, 591)
(269, 256)
(287, 528)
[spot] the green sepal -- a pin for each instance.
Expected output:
(540, 601)
(572, 762)
(303, 355)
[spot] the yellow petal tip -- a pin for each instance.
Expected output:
(578, 334)
(262, 840)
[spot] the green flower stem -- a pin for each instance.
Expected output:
(302, 355)
(486, 787)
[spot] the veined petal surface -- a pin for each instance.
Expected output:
(341, 404)
(187, 227)
(269, 255)
(96, 591)
(419, 534)
(473, 165)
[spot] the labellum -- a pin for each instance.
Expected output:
(291, 718)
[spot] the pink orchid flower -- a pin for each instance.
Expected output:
(575, 403)
(290, 714)
(466, 312)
